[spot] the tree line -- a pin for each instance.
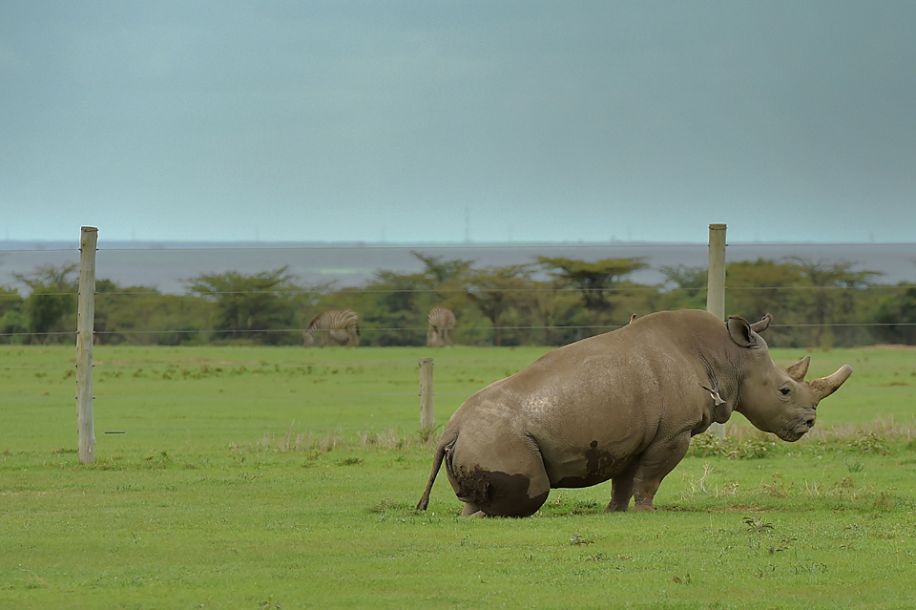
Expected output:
(552, 301)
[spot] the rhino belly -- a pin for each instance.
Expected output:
(584, 466)
(594, 449)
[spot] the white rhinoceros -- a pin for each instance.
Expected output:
(620, 406)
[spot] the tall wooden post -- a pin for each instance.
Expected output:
(427, 418)
(715, 287)
(84, 328)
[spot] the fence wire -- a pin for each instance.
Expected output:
(562, 290)
(386, 329)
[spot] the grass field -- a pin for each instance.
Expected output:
(265, 478)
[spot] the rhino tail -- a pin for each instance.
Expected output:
(445, 444)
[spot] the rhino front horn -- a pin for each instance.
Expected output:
(825, 386)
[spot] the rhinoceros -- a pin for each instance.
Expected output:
(620, 406)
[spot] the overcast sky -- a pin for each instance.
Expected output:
(442, 121)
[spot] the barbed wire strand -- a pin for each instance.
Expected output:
(380, 329)
(532, 290)
(36, 250)
(635, 288)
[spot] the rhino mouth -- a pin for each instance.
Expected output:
(797, 431)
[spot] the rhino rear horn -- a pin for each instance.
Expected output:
(762, 324)
(798, 370)
(825, 386)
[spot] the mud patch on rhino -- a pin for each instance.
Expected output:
(600, 466)
(497, 493)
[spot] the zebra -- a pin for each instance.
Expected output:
(333, 327)
(441, 322)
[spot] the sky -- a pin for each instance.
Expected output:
(448, 121)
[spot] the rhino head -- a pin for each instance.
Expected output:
(774, 399)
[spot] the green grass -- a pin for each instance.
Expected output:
(286, 478)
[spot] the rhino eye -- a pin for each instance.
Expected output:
(785, 390)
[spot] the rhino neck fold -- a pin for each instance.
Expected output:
(721, 387)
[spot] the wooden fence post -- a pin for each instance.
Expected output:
(84, 330)
(427, 418)
(715, 288)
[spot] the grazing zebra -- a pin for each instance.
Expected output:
(333, 327)
(441, 322)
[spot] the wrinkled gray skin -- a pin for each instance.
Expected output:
(619, 406)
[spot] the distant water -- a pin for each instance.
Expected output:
(169, 265)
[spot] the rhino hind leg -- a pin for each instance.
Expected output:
(622, 490)
(507, 480)
(472, 510)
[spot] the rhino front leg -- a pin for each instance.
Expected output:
(657, 461)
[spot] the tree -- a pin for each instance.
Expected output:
(897, 314)
(496, 291)
(390, 307)
(831, 294)
(755, 288)
(394, 305)
(557, 311)
(50, 308)
(12, 318)
(250, 306)
(594, 278)
(689, 291)
(809, 295)
(445, 282)
(143, 315)
(439, 271)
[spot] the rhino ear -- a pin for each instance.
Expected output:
(762, 324)
(740, 331)
(798, 370)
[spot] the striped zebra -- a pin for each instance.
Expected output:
(441, 322)
(333, 327)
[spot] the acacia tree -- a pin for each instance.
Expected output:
(797, 292)
(440, 271)
(593, 278)
(755, 288)
(446, 280)
(250, 306)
